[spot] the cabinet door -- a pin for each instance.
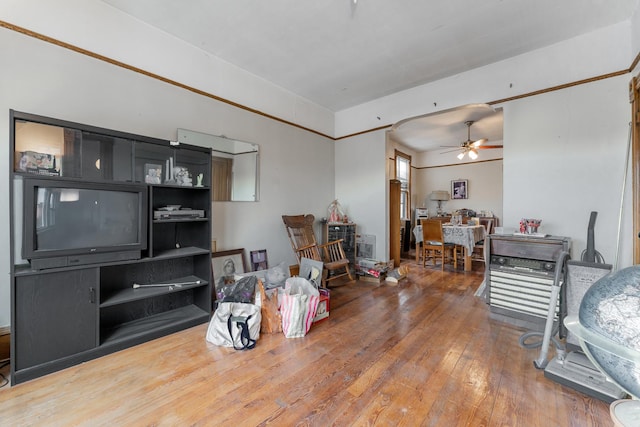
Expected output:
(55, 316)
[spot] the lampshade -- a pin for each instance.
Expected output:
(473, 154)
(439, 195)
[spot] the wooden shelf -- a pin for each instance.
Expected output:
(126, 295)
(180, 252)
(174, 319)
(161, 221)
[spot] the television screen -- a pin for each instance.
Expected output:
(68, 218)
(65, 217)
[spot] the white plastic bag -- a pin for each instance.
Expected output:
(298, 306)
(235, 324)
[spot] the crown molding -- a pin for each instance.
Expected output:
(138, 70)
(117, 63)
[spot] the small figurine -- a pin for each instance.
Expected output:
(335, 212)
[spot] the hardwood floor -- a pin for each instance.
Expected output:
(423, 352)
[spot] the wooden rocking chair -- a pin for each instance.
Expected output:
(303, 241)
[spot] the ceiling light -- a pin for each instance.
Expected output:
(461, 155)
(473, 154)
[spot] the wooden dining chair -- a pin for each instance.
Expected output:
(478, 253)
(433, 243)
(303, 241)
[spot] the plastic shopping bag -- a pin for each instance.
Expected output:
(241, 290)
(298, 306)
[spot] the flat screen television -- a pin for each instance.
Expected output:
(72, 223)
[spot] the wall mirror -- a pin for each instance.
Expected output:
(234, 165)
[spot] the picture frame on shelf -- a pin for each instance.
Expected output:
(259, 260)
(152, 173)
(37, 163)
(226, 264)
(460, 189)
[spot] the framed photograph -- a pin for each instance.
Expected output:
(365, 246)
(152, 173)
(259, 260)
(226, 264)
(460, 189)
(312, 271)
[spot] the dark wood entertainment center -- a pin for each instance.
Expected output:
(85, 302)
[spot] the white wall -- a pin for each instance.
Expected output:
(635, 32)
(484, 190)
(363, 189)
(597, 112)
(593, 54)
(437, 169)
(565, 157)
(51, 81)
(100, 28)
(297, 174)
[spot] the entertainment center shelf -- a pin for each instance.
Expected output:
(93, 270)
(161, 324)
(126, 295)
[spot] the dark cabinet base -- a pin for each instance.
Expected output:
(69, 316)
(47, 330)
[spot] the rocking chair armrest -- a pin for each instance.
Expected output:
(311, 251)
(331, 243)
(303, 248)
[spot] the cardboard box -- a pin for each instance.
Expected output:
(373, 279)
(368, 263)
(323, 306)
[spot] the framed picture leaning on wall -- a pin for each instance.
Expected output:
(226, 264)
(258, 260)
(460, 189)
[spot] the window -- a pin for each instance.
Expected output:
(403, 174)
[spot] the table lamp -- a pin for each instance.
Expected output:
(439, 196)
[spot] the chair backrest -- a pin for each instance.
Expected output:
(488, 224)
(432, 231)
(300, 231)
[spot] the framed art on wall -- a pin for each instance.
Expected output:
(460, 189)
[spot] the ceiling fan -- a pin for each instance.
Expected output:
(470, 147)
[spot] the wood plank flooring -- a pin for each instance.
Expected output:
(422, 353)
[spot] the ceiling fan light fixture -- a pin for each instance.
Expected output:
(473, 154)
(461, 155)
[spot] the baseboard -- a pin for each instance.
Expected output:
(5, 340)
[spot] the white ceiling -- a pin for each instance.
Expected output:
(341, 53)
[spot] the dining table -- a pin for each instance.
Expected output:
(466, 235)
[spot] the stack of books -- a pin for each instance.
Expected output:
(370, 270)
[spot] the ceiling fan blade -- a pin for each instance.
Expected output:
(450, 151)
(486, 147)
(479, 142)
